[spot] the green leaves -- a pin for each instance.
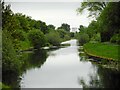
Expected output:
(53, 38)
(9, 61)
(37, 38)
(94, 8)
(65, 26)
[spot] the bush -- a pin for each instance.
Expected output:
(10, 63)
(83, 38)
(115, 39)
(96, 37)
(37, 39)
(67, 37)
(20, 35)
(53, 38)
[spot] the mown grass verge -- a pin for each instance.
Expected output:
(104, 51)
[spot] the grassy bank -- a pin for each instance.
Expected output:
(100, 50)
(4, 87)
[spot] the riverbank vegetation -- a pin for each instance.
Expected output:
(106, 51)
(20, 32)
(101, 37)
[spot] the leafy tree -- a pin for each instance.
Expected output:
(72, 34)
(23, 20)
(109, 21)
(81, 28)
(92, 29)
(94, 8)
(66, 27)
(115, 39)
(37, 39)
(83, 38)
(53, 38)
(51, 27)
(10, 63)
(43, 27)
(9, 21)
(62, 33)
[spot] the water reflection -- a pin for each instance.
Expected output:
(104, 78)
(61, 68)
(101, 78)
(31, 59)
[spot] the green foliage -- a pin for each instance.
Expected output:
(66, 37)
(92, 29)
(25, 45)
(23, 20)
(65, 26)
(72, 34)
(83, 38)
(103, 50)
(10, 63)
(37, 38)
(109, 21)
(94, 8)
(43, 27)
(51, 27)
(4, 87)
(96, 37)
(115, 39)
(20, 35)
(53, 38)
(62, 33)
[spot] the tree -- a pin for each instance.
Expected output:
(92, 29)
(51, 27)
(53, 38)
(94, 8)
(37, 39)
(62, 33)
(81, 28)
(10, 63)
(109, 21)
(23, 20)
(83, 38)
(43, 27)
(66, 27)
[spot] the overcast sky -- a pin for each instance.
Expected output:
(54, 13)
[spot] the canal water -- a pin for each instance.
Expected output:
(63, 68)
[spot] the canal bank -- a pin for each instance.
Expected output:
(106, 55)
(62, 68)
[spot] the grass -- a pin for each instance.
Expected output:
(106, 51)
(4, 87)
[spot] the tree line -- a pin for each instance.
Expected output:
(21, 32)
(105, 27)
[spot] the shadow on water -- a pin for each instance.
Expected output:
(30, 59)
(102, 78)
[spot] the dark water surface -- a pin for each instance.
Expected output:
(64, 68)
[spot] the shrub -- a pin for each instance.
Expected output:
(83, 38)
(53, 38)
(19, 34)
(96, 37)
(115, 39)
(37, 39)
(67, 37)
(10, 63)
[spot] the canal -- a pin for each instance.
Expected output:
(62, 68)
